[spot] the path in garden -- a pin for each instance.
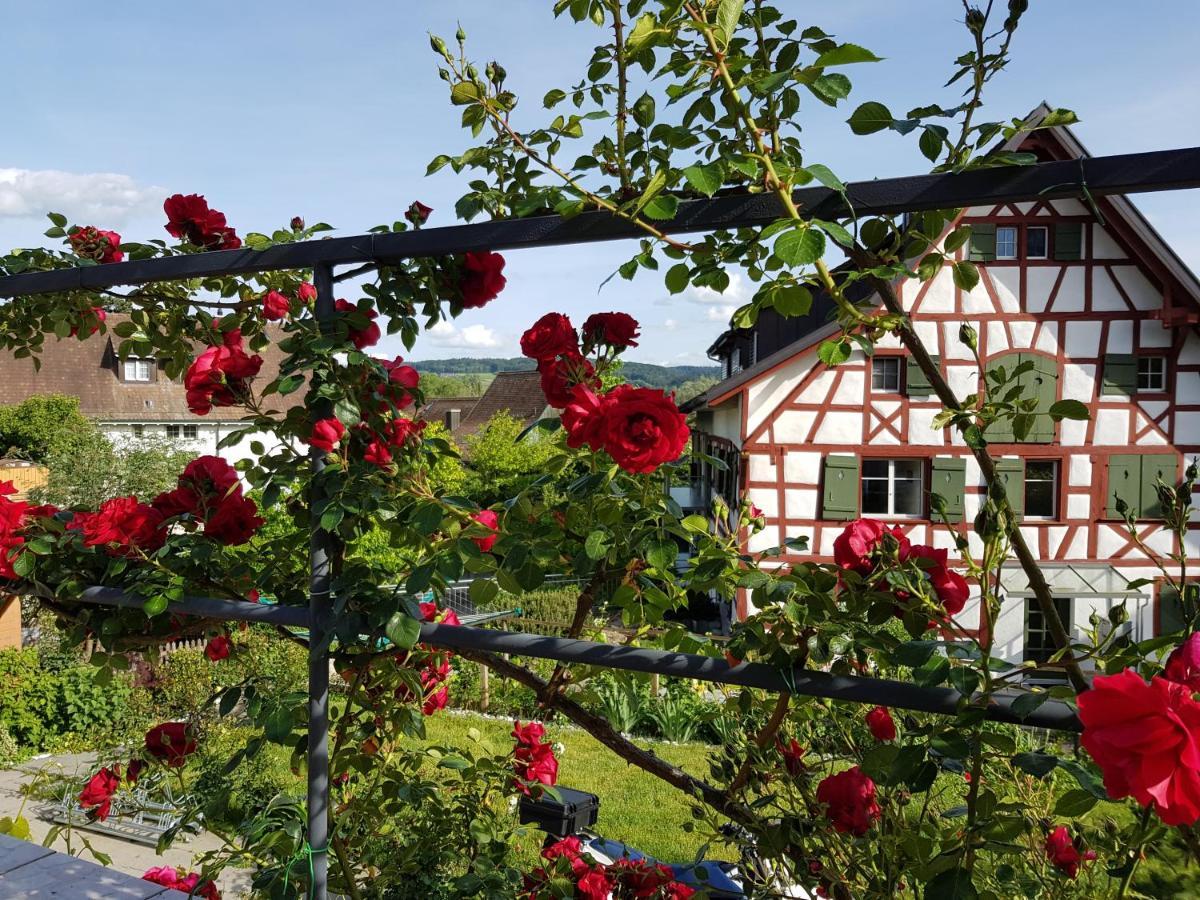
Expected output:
(128, 857)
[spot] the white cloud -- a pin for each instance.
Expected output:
(473, 337)
(102, 198)
(719, 313)
(670, 324)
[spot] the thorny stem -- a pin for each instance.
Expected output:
(761, 741)
(1138, 844)
(622, 95)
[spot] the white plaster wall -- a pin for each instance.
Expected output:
(852, 386)
(802, 468)
(1006, 281)
(1039, 282)
(1112, 426)
(1154, 335)
(1078, 381)
(841, 428)
(208, 435)
(800, 503)
(793, 425)
(1105, 297)
(939, 296)
(727, 420)
(1070, 292)
(765, 394)
(1120, 336)
(762, 467)
(1139, 289)
(920, 427)
(1103, 245)
(1083, 339)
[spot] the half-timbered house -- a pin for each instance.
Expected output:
(1106, 313)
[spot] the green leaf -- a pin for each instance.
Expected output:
(553, 98)
(951, 745)
(869, 118)
(1069, 409)
(953, 884)
(278, 727)
(1075, 803)
(596, 544)
(830, 88)
(483, 591)
(792, 300)
(677, 277)
(1084, 777)
(1023, 705)
(845, 55)
(155, 606)
(661, 208)
(662, 555)
(453, 762)
(1035, 763)
(705, 179)
(464, 93)
(17, 827)
(825, 175)
(728, 14)
(930, 144)
(23, 564)
(834, 353)
(800, 246)
(58, 219)
(403, 630)
(696, 523)
(643, 111)
(966, 276)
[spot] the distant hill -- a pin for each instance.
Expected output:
(646, 374)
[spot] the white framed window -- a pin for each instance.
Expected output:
(1039, 643)
(1037, 242)
(138, 430)
(191, 432)
(1006, 242)
(885, 374)
(1152, 373)
(138, 369)
(1041, 488)
(172, 431)
(893, 487)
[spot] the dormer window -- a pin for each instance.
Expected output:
(137, 369)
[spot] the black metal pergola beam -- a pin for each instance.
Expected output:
(1130, 173)
(1052, 714)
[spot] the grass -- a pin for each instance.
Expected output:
(635, 807)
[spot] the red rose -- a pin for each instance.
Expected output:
(189, 883)
(642, 428)
(275, 305)
(170, 743)
(218, 648)
(177, 502)
(1183, 665)
(431, 612)
(402, 431)
(418, 213)
(1063, 854)
(849, 798)
(210, 477)
(561, 374)
(951, 588)
(569, 847)
(94, 243)
(487, 519)
(297, 223)
(594, 885)
(378, 454)
(854, 547)
(550, 336)
(133, 770)
(528, 735)
(639, 877)
(307, 292)
(122, 526)
(97, 315)
(583, 418)
(481, 279)
(234, 521)
(617, 329)
(13, 515)
(1146, 740)
(327, 434)
(401, 380)
(879, 720)
(793, 756)
(189, 217)
(361, 338)
(98, 793)
(220, 375)
(435, 701)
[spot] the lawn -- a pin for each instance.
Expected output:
(636, 808)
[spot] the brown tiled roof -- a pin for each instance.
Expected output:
(435, 409)
(518, 393)
(90, 370)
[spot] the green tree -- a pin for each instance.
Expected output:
(497, 465)
(86, 469)
(33, 428)
(694, 387)
(472, 384)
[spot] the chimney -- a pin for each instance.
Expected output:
(453, 418)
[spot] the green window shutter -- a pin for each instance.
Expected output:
(1068, 240)
(1154, 467)
(1120, 374)
(1170, 618)
(1042, 384)
(983, 242)
(1001, 432)
(1124, 481)
(1011, 473)
(840, 497)
(949, 480)
(915, 382)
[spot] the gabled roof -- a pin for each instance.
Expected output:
(89, 369)
(517, 393)
(1056, 142)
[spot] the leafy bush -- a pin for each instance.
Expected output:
(622, 699)
(228, 797)
(86, 469)
(34, 428)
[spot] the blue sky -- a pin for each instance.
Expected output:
(332, 112)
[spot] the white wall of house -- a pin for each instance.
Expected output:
(207, 436)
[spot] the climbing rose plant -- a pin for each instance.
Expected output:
(844, 801)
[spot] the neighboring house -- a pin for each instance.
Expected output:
(128, 399)
(517, 393)
(1107, 313)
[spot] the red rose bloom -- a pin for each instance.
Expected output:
(235, 520)
(378, 454)
(13, 515)
(307, 292)
(561, 374)
(1063, 854)
(569, 847)
(189, 218)
(97, 316)
(275, 305)
(1183, 665)
(583, 418)
(122, 526)
(1146, 740)
(327, 434)
(854, 547)
(431, 612)
(793, 756)
(487, 519)
(642, 428)
(218, 648)
(550, 336)
(361, 338)
(616, 329)
(97, 794)
(418, 213)
(133, 770)
(401, 379)
(94, 243)
(170, 743)
(402, 431)
(210, 477)
(594, 885)
(481, 279)
(534, 761)
(189, 883)
(849, 798)
(879, 720)
(220, 376)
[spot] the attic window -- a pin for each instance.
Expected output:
(136, 369)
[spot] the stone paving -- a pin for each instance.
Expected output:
(128, 857)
